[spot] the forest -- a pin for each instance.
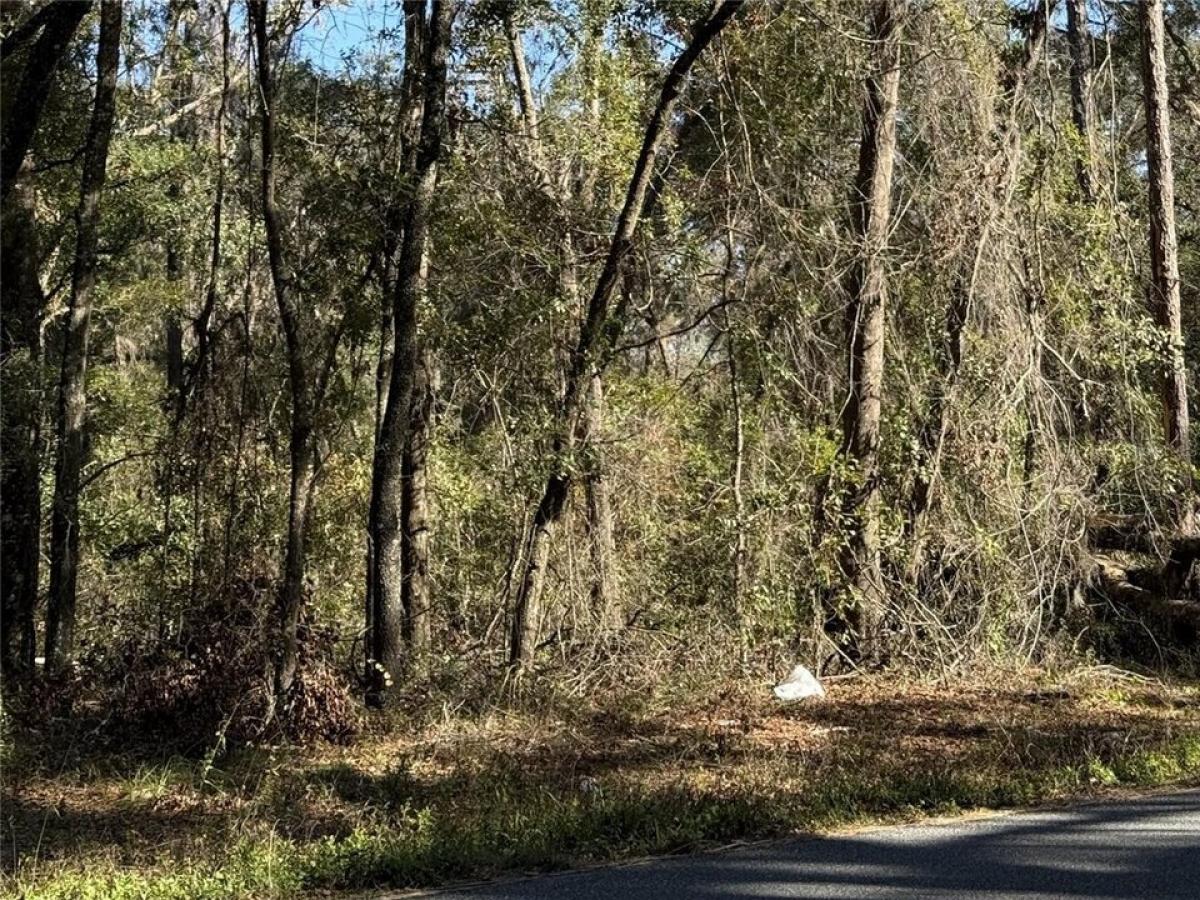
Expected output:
(431, 428)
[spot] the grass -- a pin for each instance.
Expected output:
(574, 784)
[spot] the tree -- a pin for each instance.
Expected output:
(1164, 244)
(400, 611)
(595, 339)
(866, 318)
(411, 105)
(22, 309)
(72, 390)
(291, 591)
(308, 384)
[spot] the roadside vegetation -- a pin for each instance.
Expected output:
(569, 781)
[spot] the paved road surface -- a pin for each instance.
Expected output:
(1132, 848)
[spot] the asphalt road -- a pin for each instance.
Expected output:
(1143, 847)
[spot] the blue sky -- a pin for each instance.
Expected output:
(342, 28)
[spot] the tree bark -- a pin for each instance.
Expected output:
(594, 338)
(72, 392)
(416, 597)
(737, 474)
(866, 323)
(602, 545)
(411, 106)
(1164, 248)
(383, 368)
(391, 620)
(527, 106)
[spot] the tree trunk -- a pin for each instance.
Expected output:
(528, 109)
(594, 339)
(173, 401)
(391, 619)
(1164, 249)
(383, 368)
(291, 594)
(737, 473)
(22, 353)
(291, 590)
(599, 512)
(179, 131)
(866, 321)
(416, 596)
(1081, 96)
(72, 394)
(21, 359)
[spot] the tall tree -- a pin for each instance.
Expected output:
(1164, 245)
(415, 527)
(307, 383)
(866, 318)
(291, 590)
(416, 594)
(391, 620)
(72, 390)
(22, 310)
(21, 360)
(595, 338)
(411, 106)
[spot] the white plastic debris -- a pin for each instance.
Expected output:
(800, 684)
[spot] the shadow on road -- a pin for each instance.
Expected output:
(1146, 848)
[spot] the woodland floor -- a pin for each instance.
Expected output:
(572, 784)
